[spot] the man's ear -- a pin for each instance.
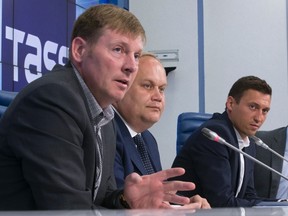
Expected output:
(230, 102)
(78, 48)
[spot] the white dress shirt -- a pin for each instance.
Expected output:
(242, 144)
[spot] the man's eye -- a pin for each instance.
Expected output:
(162, 90)
(137, 56)
(117, 49)
(147, 86)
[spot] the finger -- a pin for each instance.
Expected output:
(198, 199)
(178, 186)
(165, 205)
(205, 204)
(190, 206)
(176, 199)
(172, 192)
(168, 173)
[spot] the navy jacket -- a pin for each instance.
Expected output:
(214, 167)
(127, 158)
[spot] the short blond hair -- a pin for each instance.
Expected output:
(95, 19)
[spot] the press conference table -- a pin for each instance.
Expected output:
(255, 211)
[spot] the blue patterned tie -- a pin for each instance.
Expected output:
(143, 153)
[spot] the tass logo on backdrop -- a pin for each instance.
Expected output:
(35, 37)
(33, 61)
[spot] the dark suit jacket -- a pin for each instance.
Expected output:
(127, 158)
(267, 182)
(47, 148)
(214, 167)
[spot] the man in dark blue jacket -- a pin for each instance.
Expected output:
(141, 107)
(222, 175)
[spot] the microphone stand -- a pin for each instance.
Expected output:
(260, 143)
(215, 137)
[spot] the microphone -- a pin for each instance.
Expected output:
(215, 137)
(260, 143)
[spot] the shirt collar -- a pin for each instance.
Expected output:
(94, 107)
(242, 142)
(131, 131)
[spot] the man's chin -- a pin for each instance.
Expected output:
(252, 133)
(154, 119)
(119, 97)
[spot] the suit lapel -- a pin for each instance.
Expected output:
(130, 145)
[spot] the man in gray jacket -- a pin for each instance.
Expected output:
(57, 140)
(268, 184)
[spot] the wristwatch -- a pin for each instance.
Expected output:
(123, 201)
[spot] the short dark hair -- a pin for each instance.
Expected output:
(249, 82)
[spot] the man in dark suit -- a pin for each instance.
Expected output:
(128, 159)
(223, 176)
(141, 107)
(57, 140)
(268, 184)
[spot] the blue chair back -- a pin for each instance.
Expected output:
(6, 98)
(187, 123)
